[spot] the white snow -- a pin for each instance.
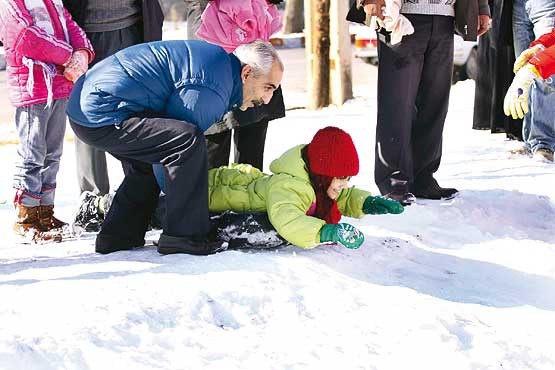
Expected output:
(462, 284)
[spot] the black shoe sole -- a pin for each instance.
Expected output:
(106, 244)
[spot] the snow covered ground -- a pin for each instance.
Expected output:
(461, 284)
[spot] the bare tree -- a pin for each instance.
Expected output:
(318, 52)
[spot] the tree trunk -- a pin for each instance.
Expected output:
(293, 21)
(318, 52)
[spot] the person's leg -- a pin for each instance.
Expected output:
(541, 133)
(218, 147)
(54, 139)
(92, 170)
(523, 35)
(432, 103)
(399, 74)
(180, 148)
(250, 137)
(31, 152)
(249, 144)
(195, 8)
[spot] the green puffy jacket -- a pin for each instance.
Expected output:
(286, 195)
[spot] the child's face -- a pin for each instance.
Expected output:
(338, 184)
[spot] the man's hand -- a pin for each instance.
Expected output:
(526, 55)
(484, 24)
(516, 100)
(374, 7)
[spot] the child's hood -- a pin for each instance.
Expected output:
(291, 163)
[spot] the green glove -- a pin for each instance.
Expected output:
(346, 234)
(380, 206)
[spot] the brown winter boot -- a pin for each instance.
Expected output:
(28, 225)
(47, 220)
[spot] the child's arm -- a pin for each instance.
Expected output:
(356, 203)
(31, 41)
(546, 40)
(351, 200)
(287, 201)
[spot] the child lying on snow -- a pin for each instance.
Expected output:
(305, 197)
(303, 200)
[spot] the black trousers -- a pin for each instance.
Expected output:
(249, 138)
(414, 80)
(138, 143)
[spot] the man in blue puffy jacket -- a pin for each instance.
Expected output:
(150, 104)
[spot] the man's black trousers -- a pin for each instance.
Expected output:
(138, 143)
(414, 80)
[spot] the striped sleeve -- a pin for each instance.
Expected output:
(33, 42)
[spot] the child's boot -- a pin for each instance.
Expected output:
(28, 226)
(47, 220)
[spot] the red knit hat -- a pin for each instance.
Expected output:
(332, 153)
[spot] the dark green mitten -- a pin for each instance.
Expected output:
(346, 234)
(381, 206)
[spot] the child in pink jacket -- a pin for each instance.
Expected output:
(46, 51)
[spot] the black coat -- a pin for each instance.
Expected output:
(495, 73)
(152, 16)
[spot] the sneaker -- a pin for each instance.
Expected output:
(543, 155)
(523, 150)
(200, 246)
(89, 216)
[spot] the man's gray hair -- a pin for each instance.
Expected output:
(259, 55)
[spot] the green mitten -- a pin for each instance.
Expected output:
(380, 206)
(346, 234)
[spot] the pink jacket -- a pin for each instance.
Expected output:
(230, 23)
(27, 46)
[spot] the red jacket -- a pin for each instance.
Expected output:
(545, 60)
(29, 46)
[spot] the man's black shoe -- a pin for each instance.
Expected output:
(405, 198)
(200, 246)
(433, 191)
(110, 243)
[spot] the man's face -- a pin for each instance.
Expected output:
(258, 90)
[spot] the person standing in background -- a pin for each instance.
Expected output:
(250, 126)
(46, 52)
(494, 73)
(414, 80)
(532, 19)
(111, 26)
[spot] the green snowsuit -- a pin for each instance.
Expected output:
(286, 196)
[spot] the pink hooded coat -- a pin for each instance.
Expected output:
(230, 23)
(30, 47)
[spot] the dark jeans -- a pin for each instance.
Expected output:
(414, 80)
(138, 143)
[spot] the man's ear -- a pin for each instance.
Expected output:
(246, 71)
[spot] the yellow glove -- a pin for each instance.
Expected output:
(525, 56)
(516, 99)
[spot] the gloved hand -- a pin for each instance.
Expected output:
(526, 55)
(381, 206)
(516, 99)
(77, 65)
(346, 234)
